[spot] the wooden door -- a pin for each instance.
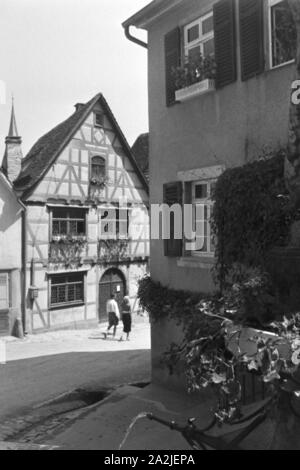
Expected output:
(112, 282)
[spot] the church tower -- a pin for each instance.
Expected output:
(12, 160)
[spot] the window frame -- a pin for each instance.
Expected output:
(67, 303)
(8, 296)
(91, 166)
(99, 126)
(68, 220)
(116, 220)
(207, 201)
(270, 5)
(202, 38)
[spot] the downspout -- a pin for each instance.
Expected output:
(133, 38)
(24, 258)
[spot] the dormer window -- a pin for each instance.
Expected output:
(99, 120)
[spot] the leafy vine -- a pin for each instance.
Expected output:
(252, 213)
(67, 249)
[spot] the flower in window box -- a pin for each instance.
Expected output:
(100, 181)
(194, 70)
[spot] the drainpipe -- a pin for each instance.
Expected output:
(133, 38)
(24, 258)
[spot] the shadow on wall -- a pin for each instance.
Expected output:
(10, 211)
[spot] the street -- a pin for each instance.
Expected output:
(42, 367)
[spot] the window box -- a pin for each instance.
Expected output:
(197, 89)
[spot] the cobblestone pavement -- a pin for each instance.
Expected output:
(40, 425)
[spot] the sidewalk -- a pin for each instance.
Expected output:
(86, 340)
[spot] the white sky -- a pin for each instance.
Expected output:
(55, 53)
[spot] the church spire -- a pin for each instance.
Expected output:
(13, 131)
(11, 164)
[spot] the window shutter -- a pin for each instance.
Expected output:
(172, 59)
(4, 297)
(225, 42)
(173, 195)
(251, 35)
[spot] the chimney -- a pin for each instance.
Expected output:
(78, 106)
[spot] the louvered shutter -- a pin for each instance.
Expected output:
(251, 37)
(172, 59)
(173, 195)
(4, 298)
(225, 42)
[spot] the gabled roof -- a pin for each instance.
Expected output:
(140, 151)
(48, 148)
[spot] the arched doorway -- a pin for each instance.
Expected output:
(112, 282)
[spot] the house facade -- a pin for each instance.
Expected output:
(220, 74)
(87, 228)
(12, 214)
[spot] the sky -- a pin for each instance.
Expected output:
(55, 53)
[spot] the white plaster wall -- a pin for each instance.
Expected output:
(10, 230)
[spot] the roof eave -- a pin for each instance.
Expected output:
(143, 18)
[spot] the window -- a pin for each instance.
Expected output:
(67, 289)
(283, 34)
(4, 291)
(202, 209)
(214, 36)
(68, 222)
(199, 38)
(114, 223)
(99, 120)
(98, 169)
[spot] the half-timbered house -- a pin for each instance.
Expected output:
(87, 228)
